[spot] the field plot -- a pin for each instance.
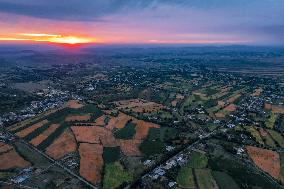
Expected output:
(63, 145)
(118, 122)
(30, 129)
(115, 176)
(267, 160)
(266, 137)
(281, 176)
(89, 135)
(224, 181)
(40, 138)
(74, 104)
(205, 179)
(185, 178)
(10, 159)
(254, 133)
(138, 106)
(91, 162)
(277, 137)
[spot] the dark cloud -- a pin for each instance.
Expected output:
(77, 10)
(89, 10)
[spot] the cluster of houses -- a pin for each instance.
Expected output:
(51, 99)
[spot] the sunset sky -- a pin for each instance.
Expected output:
(143, 21)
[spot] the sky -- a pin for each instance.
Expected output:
(257, 22)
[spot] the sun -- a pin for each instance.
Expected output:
(72, 40)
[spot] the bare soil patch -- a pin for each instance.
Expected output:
(118, 122)
(221, 103)
(30, 129)
(174, 103)
(130, 147)
(267, 160)
(40, 138)
(5, 147)
(91, 162)
(12, 159)
(101, 120)
(267, 106)
(142, 128)
(220, 115)
(74, 104)
(63, 145)
(94, 134)
(234, 98)
(277, 109)
(230, 108)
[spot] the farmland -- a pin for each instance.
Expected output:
(175, 119)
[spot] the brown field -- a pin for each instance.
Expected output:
(263, 132)
(277, 109)
(74, 104)
(267, 160)
(119, 121)
(11, 160)
(179, 97)
(78, 118)
(101, 120)
(234, 98)
(267, 106)
(94, 134)
(139, 105)
(90, 134)
(199, 94)
(174, 103)
(142, 128)
(5, 147)
(230, 108)
(91, 162)
(63, 145)
(30, 129)
(130, 147)
(221, 103)
(40, 138)
(220, 115)
(25, 122)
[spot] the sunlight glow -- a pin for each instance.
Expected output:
(52, 38)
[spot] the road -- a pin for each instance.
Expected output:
(177, 154)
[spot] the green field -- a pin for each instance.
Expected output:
(205, 179)
(126, 132)
(241, 173)
(268, 140)
(224, 181)
(271, 121)
(111, 154)
(277, 137)
(254, 133)
(152, 147)
(115, 176)
(185, 178)
(198, 160)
